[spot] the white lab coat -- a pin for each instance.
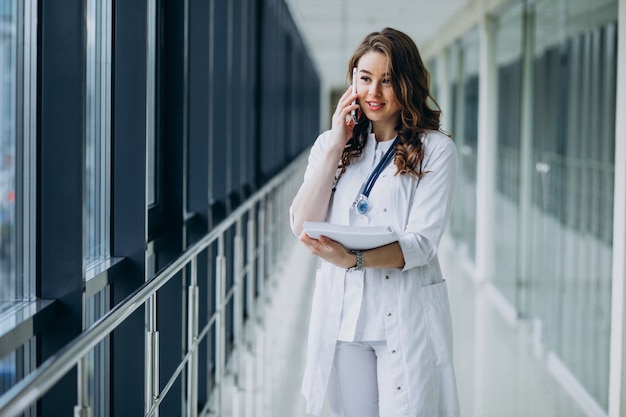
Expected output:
(416, 308)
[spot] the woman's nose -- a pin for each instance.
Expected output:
(374, 90)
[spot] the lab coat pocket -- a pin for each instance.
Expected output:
(437, 314)
(439, 323)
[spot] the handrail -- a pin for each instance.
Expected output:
(19, 397)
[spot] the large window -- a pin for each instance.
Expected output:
(17, 180)
(17, 46)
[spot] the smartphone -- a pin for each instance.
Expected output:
(355, 117)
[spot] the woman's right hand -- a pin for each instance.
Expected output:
(329, 250)
(342, 123)
(311, 201)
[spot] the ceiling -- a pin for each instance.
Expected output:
(332, 29)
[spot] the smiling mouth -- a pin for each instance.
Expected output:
(375, 105)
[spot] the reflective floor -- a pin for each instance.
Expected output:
(498, 373)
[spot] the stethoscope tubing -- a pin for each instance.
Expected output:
(360, 203)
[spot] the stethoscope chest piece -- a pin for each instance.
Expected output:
(361, 204)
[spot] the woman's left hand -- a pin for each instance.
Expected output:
(329, 250)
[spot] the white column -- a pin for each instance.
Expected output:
(617, 366)
(487, 146)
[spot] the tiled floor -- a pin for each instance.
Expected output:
(498, 376)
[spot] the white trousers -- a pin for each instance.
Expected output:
(360, 382)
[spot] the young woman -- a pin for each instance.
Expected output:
(380, 342)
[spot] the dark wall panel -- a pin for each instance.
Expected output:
(199, 97)
(129, 199)
(60, 184)
(219, 93)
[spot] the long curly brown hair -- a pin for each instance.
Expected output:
(410, 81)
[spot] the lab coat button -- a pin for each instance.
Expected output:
(388, 314)
(399, 388)
(386, 276)
(393, 351)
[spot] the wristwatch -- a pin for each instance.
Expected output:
(360, 261)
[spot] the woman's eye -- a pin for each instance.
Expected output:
(386, 81)
(366, 79)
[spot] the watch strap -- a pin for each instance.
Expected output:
(360, 261)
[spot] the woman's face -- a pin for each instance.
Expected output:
(375, 92)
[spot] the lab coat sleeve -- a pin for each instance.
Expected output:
(431, 204)
(316, 154)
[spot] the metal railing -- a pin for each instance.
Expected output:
(255, 259)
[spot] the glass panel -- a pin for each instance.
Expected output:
(98, 360)
(15, 366)
(463, 61)
(9, 22)
(97, 187)
(7, 372)
(17, 155)
(572, 219)
(98, 133)
(432, 69)
(508, 38)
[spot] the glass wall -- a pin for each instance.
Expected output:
(555, 100)
(574, 70)
(554, 172)
(463, 73)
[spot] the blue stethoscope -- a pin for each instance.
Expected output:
(361, 204)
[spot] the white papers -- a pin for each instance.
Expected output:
(352, 237)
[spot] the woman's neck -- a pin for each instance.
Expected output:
(384, 133)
